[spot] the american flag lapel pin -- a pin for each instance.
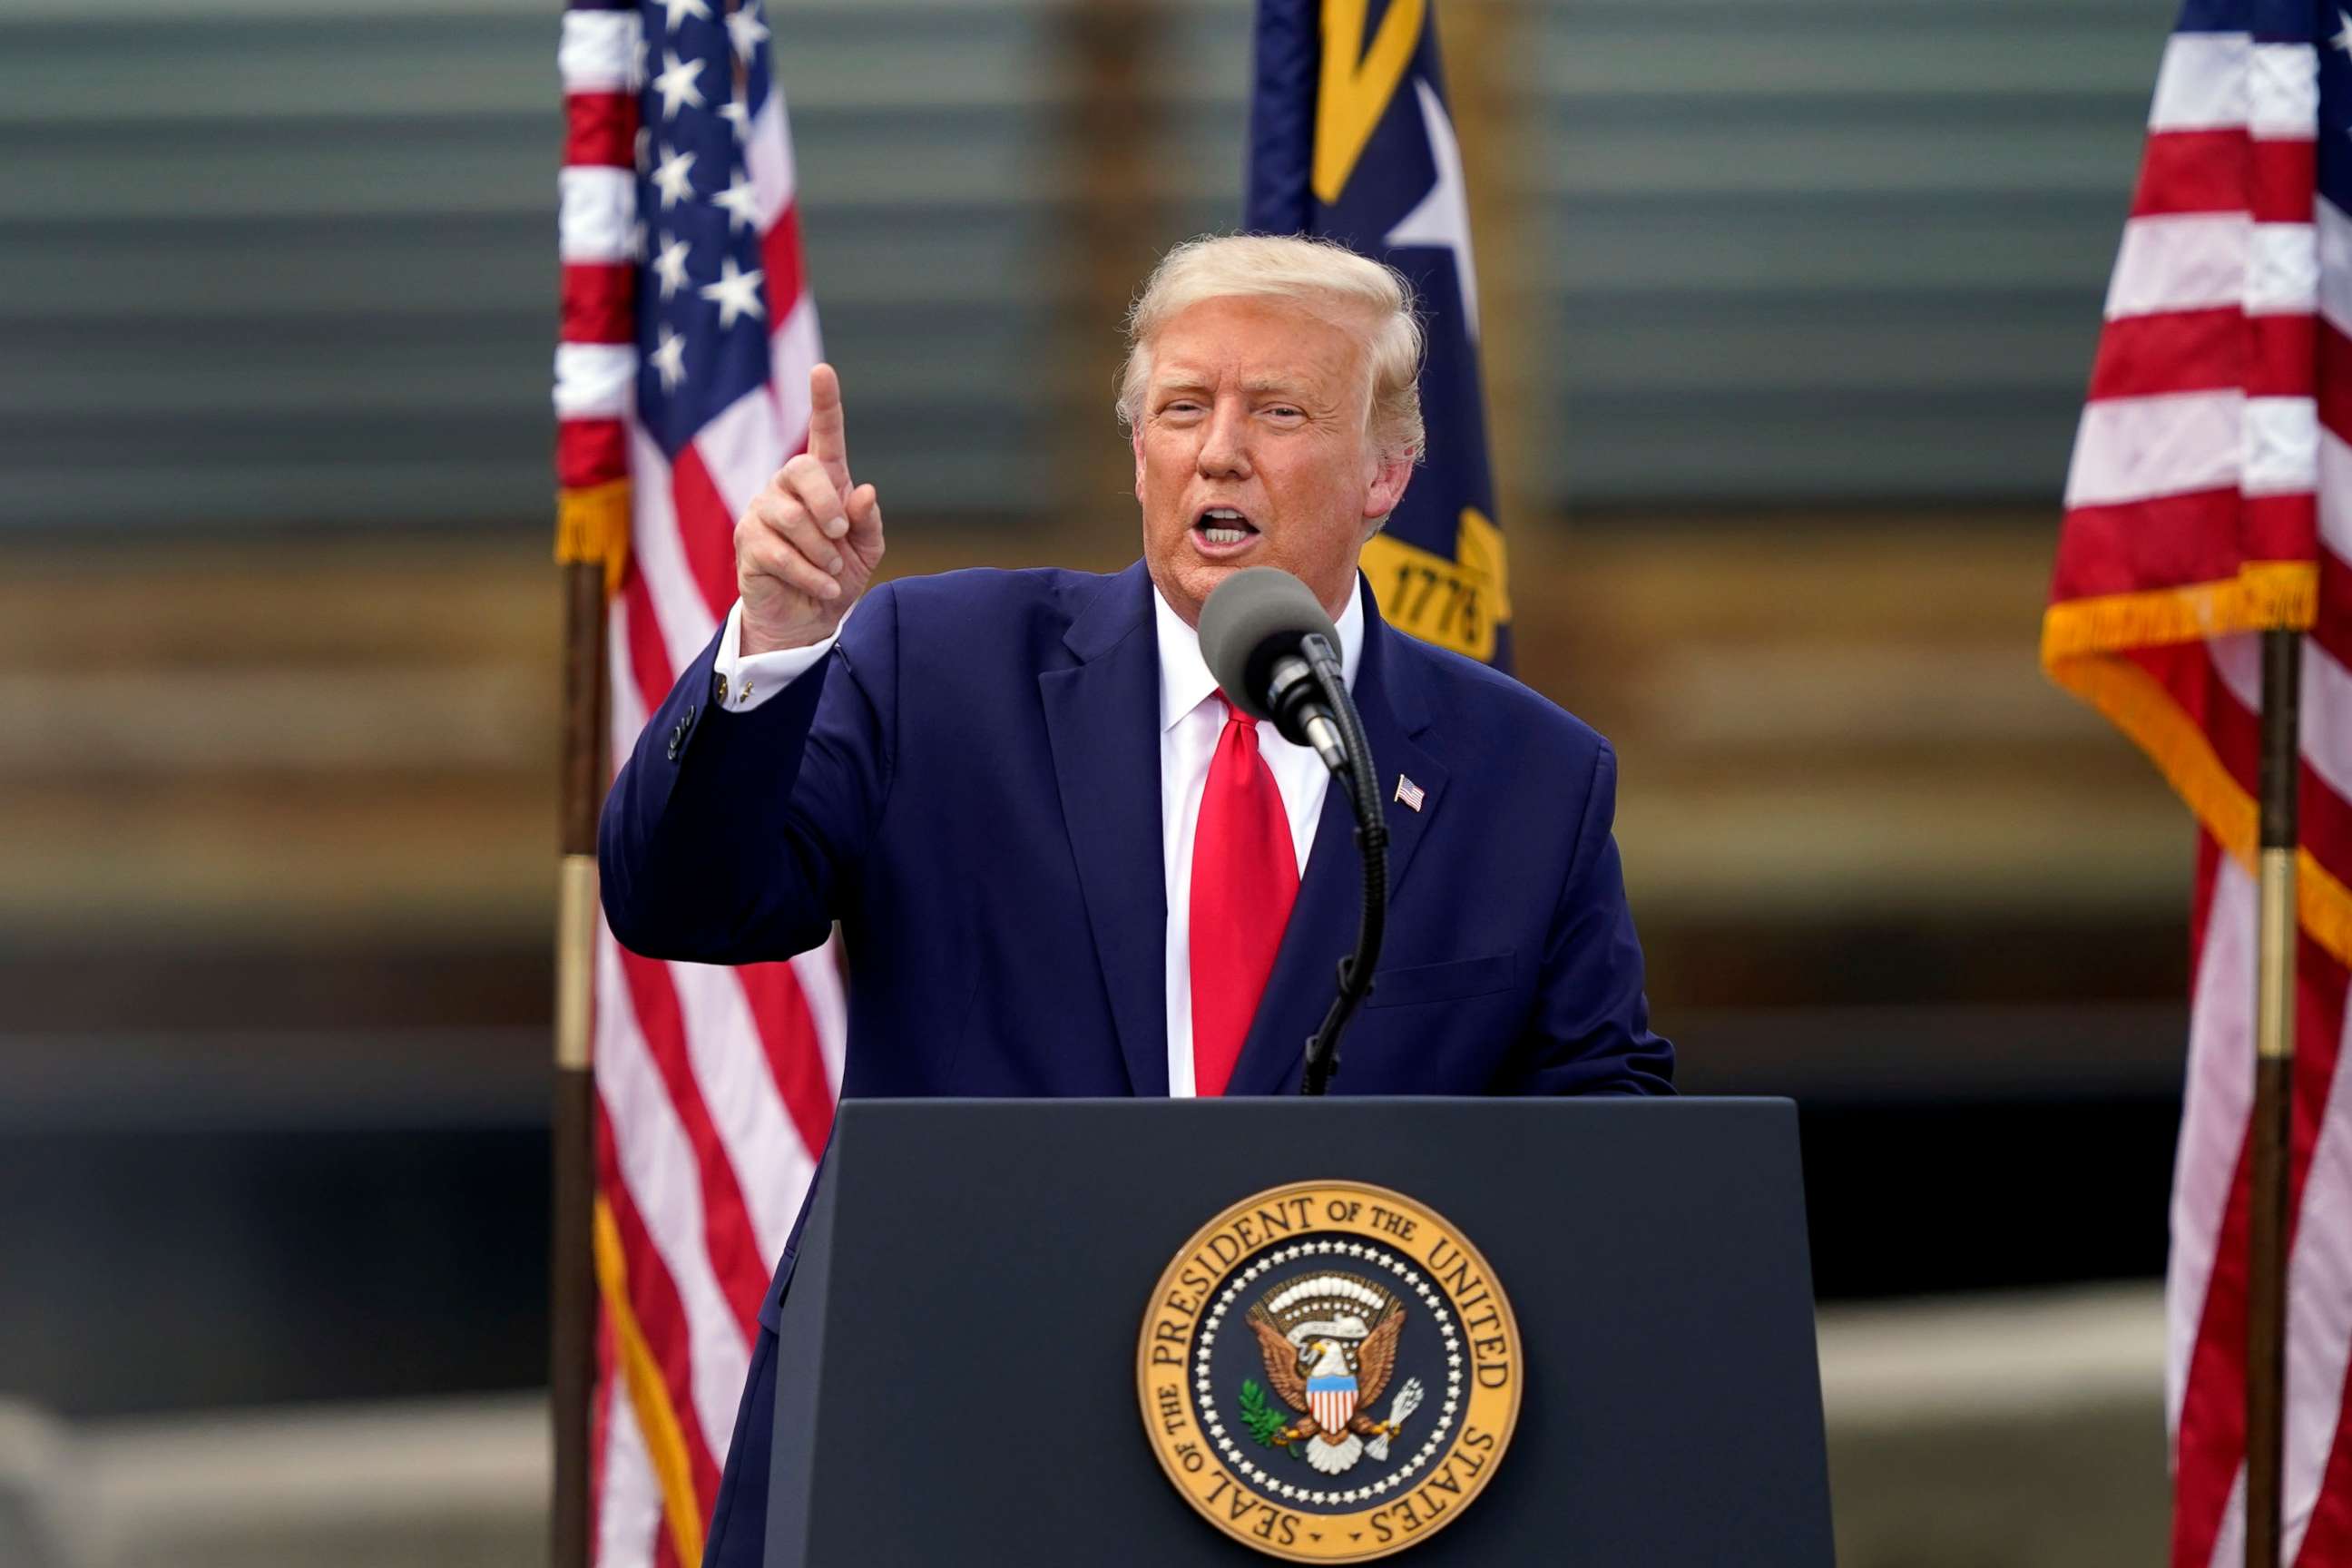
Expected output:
(1408, 791)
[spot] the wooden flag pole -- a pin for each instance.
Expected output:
(587, 555)
(2276, 940)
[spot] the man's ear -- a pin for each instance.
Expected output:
(1389, 480)
(1135, 439)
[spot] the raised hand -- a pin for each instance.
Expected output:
(808, 544)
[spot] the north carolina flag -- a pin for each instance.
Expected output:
(1351, 140)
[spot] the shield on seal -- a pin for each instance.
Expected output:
(1331, 1400)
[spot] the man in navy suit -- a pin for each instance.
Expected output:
(1062, 864)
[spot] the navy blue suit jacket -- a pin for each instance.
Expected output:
(969, 782)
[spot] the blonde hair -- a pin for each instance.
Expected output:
(1372, 300)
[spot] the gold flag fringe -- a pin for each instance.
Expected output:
(2265, 596)
(592, 524)
(641, 1375)
(2082, 644)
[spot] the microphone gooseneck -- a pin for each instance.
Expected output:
(1275, 654)
(1373, 850)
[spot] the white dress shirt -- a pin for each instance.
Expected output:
(1190, 719)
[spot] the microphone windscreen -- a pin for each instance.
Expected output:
(1252, 618)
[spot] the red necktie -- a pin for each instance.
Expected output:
(1245, 880)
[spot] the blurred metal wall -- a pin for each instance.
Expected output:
(292, 262)
(1819, 248)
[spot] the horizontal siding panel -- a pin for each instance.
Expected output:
(434, 169)
(1624, 450)
(1965, 250)
(1948, 147)
(1833, 346)
(1599, 49)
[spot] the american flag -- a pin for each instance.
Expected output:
(681, 386)
(2210, 499)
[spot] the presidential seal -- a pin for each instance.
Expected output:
(1329, 1372)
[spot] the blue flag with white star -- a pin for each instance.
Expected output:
(1350, 138)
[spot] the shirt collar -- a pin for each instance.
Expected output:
(1184, 680)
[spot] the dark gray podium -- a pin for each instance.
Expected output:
(957, 1380)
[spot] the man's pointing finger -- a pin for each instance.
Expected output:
(828, 440)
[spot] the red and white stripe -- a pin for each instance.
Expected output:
(2216, 432)
(1331, 1407)
(716, 1085)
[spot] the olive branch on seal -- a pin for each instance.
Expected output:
(1263, 1420)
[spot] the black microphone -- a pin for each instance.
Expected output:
(1264, 637)
(1273, 653)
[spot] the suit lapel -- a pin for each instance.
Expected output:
(1322, 930)
(1101, 718)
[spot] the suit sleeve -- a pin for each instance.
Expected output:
(1592, 1028)
(738, 837)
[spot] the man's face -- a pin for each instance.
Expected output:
(1251, 450)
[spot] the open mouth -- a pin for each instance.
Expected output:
(1222, 527)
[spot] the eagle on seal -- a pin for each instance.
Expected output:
(1330, 1382)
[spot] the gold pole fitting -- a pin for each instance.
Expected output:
(575, 959)
(2276, 939)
